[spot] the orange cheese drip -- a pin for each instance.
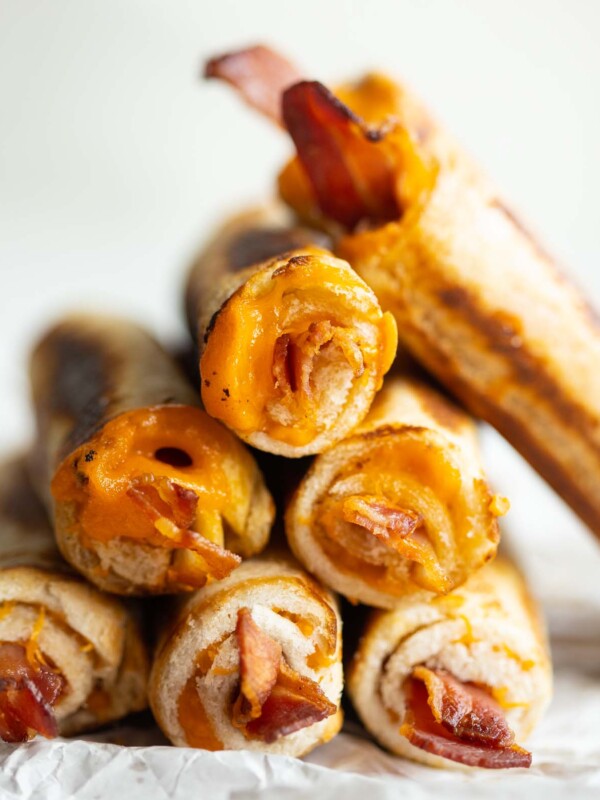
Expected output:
(242, 364)
(164, 447)
(194, 719)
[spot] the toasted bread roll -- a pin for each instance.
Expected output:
(293, 348)
(487, 310)
(149, 494)
(253, 663)
(476, 298)
(401, 507)
(71, 658)
(462, 678)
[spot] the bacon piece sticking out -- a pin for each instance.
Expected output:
(259, 74)
(284, 364)
(294, 358)
(384, 519)
(27, 694)
(274, 700)
(397, 529)
(172, 509)
(260, 658)
(295, 703)
(219, 561)
(458, 721)
(350, 166)
(165, 498)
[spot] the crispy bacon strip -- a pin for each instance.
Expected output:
(350, 166)
(294, 358)
(165, 498)
(172, 509)
(284, 364)
(27, 694)
(274, 700)
(259, 74)
(220, 562)
(295, 703)
(458, 721)
(393, 527)
(384, 519)
(260, 658)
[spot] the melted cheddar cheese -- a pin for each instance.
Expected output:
(401, 473)
(178, 445)
(281, 339)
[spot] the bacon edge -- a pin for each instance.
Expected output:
(294, 358)
(274, 700)
(350, 168)
(172, 508)
(458, 721)
(395, 528)
(27, 695)
(259, 74)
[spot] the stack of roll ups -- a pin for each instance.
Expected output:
(139, 485)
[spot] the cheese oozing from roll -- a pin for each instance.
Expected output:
(477, 298)
(293, 346)
(149, 493)
(399, 508)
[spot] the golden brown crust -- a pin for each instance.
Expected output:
(88, 370)
(483, 306)
(251, 237)
(97, 381)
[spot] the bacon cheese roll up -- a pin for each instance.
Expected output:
(252, 662)
(293, 348)
(399, 508)
(150, 495)
(71, 658)
(477, 299)
(462, 679)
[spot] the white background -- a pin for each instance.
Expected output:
(115, 159)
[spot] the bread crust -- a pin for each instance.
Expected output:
(488, 632)
(248, 238)
(276, 590)
(85, 373)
